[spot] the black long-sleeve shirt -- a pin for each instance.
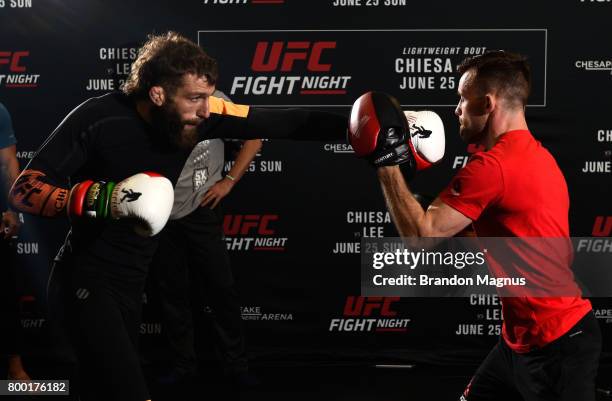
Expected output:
(106, 139)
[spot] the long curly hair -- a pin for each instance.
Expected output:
(164, 60)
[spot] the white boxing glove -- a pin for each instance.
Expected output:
(147, 197)
(427, 138)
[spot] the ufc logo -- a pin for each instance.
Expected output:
(364, 306)
(13, 59)
(286, 56)
(248, 223)
(602, 226)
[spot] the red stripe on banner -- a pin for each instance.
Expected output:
(268, 248)
(392, 329)
(21, 85)
(323, 92)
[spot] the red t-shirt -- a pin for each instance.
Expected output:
(516, 189)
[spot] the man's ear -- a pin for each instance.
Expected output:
(490, 103)
(157, 95)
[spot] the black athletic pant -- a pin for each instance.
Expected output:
(99, 316)
(192, 254)
(564, 370)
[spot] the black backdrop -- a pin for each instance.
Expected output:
(294, 221)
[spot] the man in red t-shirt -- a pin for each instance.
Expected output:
(550, 346)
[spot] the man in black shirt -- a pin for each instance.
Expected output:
(165, 108)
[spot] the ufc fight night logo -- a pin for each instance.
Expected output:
(602, 226)
(369, 314)
(254, 232)
(30, 313)
(600, 241)
(14, 70)
(292, 67)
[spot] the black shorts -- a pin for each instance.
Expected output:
(100, 317)
(563, 370)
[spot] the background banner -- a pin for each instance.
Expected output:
(295, 222)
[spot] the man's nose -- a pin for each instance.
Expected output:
(204, 110)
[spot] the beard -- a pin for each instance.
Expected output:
(474, 131)
(178, 133)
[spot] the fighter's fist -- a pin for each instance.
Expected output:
(145, 197)
(9, 225)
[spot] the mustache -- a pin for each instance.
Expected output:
(193, 122)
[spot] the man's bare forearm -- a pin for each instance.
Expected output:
(5, 177)
(9, 169)
(244, 158)
(405, 210)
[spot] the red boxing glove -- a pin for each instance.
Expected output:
(382, 133)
